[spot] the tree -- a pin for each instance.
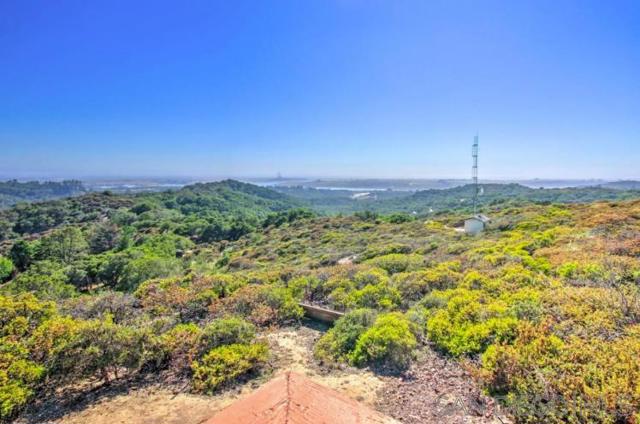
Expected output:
(104, 237)
(64, 245)
(22, 253)
(5, 229)
(45, 279)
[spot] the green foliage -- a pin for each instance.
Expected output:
(379, 296)
(20, 317)
(100, 348)
(262, 305)
(46, 279)
(414, 285)
(6, 268)
(287, 217)
(395, 262)
(189, 297)
(388, 343)
(18, 377)
(22, 254)
(152, 257)
(225, 364)
(122, 307)
(338, 343)
(228, 330)
(465, 321)
(181, 345)
(399, 218)
(104, 237)
(546, 379)
(373, 251)
(63, 245)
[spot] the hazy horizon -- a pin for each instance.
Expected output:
(343, 88)
(284, 178)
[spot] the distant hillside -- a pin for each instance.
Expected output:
(455, 198)
(13, 191)
(622, 185)
(491, 194)
(205, 212)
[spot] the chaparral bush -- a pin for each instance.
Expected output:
(225, 364)
(388, 343)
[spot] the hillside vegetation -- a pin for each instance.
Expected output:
(543, 308)
(13, 191)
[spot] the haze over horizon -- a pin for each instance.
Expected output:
(342, 88)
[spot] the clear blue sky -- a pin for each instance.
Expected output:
(320, 87)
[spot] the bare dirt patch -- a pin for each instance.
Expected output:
(437, 390)
(144, 400)
(294, 348)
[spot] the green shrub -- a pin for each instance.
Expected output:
(545, 379)
(379, 296)
(225, 364)
(374, 251)
(185, 343)
(462, 321)
(388, 343)
(395, 262)
(414, 285)
(262, 305)
(46, 279)
(18, 377)
(20, 372)
(228, 330)
(181, 346)
(370, 276)
(6, 268)
(189, 297)
(337, 343)
(99, 348)
(309, 288)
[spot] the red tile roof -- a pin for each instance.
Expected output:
(294, 399)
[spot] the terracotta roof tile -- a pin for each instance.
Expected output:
(294, 399)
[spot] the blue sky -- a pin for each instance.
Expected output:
(319, 88)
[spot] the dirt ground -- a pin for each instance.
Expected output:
(431, 392)
(438, 390)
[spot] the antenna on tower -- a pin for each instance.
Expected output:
(474, 173)
(478, 222)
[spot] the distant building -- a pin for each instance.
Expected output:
(476, 224)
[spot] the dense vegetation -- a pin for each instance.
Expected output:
(13, 191)
(544, 307)
(202, 212)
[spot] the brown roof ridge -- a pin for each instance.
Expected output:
(288, 405)
(292, 398)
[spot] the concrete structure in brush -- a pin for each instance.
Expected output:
(476, 224)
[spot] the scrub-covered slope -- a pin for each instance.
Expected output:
(542, 309)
